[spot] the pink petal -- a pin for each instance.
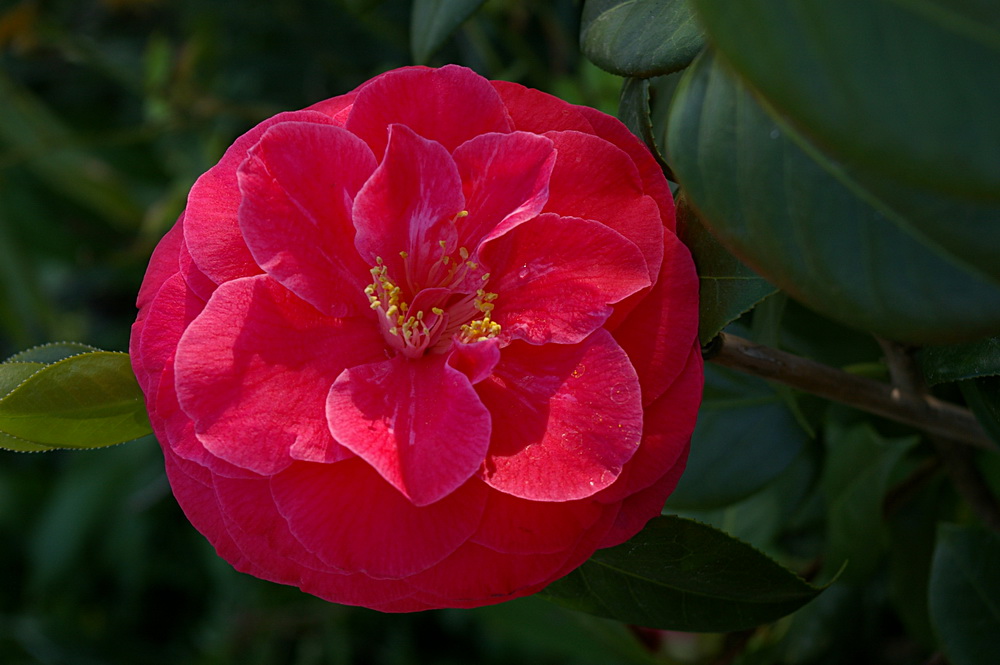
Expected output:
(653, 181)
(196, 280)
(174, 307)
(418, 422)
(298, 185)
(506, 181)
(657, 334)
(475, 360)
(449, 105)
(353, 520)
(162, 264)
(254, 368)
(567, 418)
(519, 526)
(667, 426)
(335, 107)
(409, 204)
(538, 112)
(596, 180)
(556, 277)
(211, 230)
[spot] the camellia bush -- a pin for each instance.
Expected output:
(721, 371)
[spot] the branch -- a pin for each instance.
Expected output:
(918, 410)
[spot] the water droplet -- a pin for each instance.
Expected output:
(620, 393)
(609, 476)
(523, 272)
(571, 440)
(578, 372)
(534, 452)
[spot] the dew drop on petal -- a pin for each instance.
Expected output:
(523, 272)
(534, 452)
(578, 372)
(609, 476)
(620, 393)
(571, 440)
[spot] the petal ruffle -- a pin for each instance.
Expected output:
(253, 370)
(567, 418)
(353, 520)
(449, 105)
(298, 184)
(418, 422)
(556, 277)
(539, 112)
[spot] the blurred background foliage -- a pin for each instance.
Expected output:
(109, 110)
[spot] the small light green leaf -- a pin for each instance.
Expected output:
(640, 37)
(433, 21)
(965, 594)
(956, 362)
(746, 437)
(727, 288)
(855, 480)
(84, 401)
(678, 574)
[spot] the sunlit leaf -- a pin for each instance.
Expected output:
(679, 574)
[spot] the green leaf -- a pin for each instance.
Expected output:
(802, 222)
(640, 37)
(12, 374)
(52, 352)
(679, 574)
(633, 110)
(906, 89)
(983, 397)
(965, 594)
(855, 480)
(84, 401)
(727, 288)
(956, 362)
(745, 437)
(433, 21)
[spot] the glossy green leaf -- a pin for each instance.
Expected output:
(956, 362)
(745, 438)
(12, 374)
(634, 111)
(801, 221)
(855, 480)
(965, 594)
(84, 401)
(908, 89)
(640, 37)
(727, 288)
(50, 353)
(433, 21)
(678, 574)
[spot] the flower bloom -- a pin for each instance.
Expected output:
(427, 344)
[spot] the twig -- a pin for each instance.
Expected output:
(918, 410)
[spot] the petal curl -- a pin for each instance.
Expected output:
(539, 112)
(557, 277)
(566, 418)
(163, 263)
(449, 105)
(350, 518)
(418, 422)
(253, 370)
(298, 185)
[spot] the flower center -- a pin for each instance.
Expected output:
(443, 317)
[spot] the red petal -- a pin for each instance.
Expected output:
(539, 112)
(449, 105)
(657, 334)
(211, 230)
(353, 520)
(519, 526)
(596, 180)
(505, 179)
(567, 418)
(418, 422)
(409, 204)
(254, 368)
(298, 185)
(335, 107)
(162, 264)
(556, 277)
(475, 360)
(174, 307)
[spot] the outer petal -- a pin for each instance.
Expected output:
(162, 264)
(174, 307)
(519, 526)
(657, 334)
(418, 422)
(253, 371)
(409, 204)
(210, 220)
(353, 520)
(539, 112)
(298, 185)
(567, 418)
(597, 180)
(449, 105)
(556, 277)
(506, 181)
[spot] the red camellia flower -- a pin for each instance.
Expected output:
(428, 344)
